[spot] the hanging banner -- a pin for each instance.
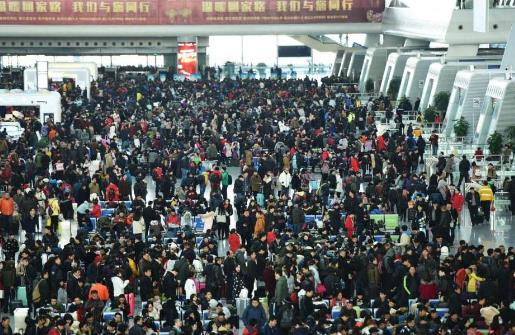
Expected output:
(187, 62)
(186, 12)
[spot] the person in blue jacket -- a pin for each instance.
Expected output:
(255, 311)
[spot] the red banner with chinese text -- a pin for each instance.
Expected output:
(188, 12)
(187, 58)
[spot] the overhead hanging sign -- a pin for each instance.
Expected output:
(188, 12)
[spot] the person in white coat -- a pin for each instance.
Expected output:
(119, 284)
(285, 181)
(138, 224)
(190, 287)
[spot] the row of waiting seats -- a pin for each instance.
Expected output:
(433, 303)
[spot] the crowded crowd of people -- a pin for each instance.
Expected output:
(249, 207)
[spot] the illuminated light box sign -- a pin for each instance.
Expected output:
(188, 12)
(187, 62)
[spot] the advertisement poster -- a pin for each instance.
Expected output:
(187, 58)
(188, 12)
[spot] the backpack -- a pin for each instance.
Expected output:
(287, 318)
(229, 180)
(36, 294)
(214, 178)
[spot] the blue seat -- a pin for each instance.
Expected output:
(199, 224)
(441, 312)
(205, 315)
(318, 217)
(92, 224)
(335, 313)
(434, 302)
(107, 211)
(102, 204)
(108, 316)
(309, 218)
(198, 240)
(378, 238)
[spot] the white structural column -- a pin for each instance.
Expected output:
(508, 60)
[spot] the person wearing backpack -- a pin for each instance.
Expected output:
(214, 178)
(226, 181)
(41, 290)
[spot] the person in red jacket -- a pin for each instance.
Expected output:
(96, 210)
(59, 328)
(354, 163)
(349, 225)
(381, 145)
(427, 289)
(457, 201)
(112, 192)
(234, 241)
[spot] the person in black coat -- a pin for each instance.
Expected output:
(306, 307)
(473, 202)
(149, 214)
(170, 284)
(511, 193)
(464, 168)
(455, 301)
(29, 222)
(44, 290)
(73, 289)
(145, 285)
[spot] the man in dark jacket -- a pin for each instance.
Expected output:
(254, 311)
(149, 214)
(511, 193)
(137, 329)
(297, 218)
(146, 285)
(72, 286)
(170, 284)
(214, 276)
(95, 306)
(473, 202)
(281, 288)
(464, 168)
(306, 304)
